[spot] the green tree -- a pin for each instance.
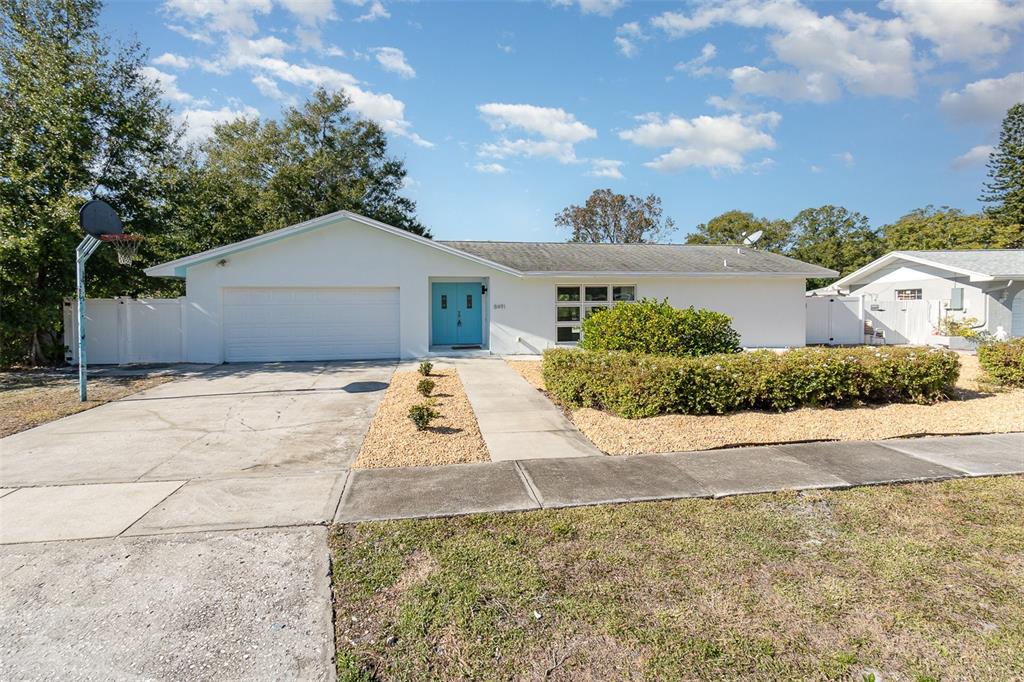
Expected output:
(77, 121)
(732, 226)
(254, 176)
(835, 238)
(616, 219)
(1004, 192)
(946, 228)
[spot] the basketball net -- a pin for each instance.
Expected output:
(126, 245)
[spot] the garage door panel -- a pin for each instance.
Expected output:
(268, 324)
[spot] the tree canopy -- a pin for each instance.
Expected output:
(1004, 191)
(616, 219)
(733, 226)
(944, 228)
(77, 121)
(80, 121)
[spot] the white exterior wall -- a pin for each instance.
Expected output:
(988, 302)
(519, 313)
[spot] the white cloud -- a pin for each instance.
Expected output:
(168, 83)
(236, 16)
(975, 156)
(785, 85)
(817, 169)
(174, 61)
(198, 36)
(491, 168)
(606, 168)
(698, 66)
(972, 31)
(714, 142)
(605, 8)
(269, 88)
(549, 122)
(332, 51)
(310, 12)
(984, 101)
(558, 131)
(846, 158)
(392, 59)
(377, 11)
(199, 123)
(626, 47)
(626, 38)
(869, 56)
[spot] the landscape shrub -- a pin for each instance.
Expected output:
(425, 387)
(422, 414)
(426, 368)
(1003, 361)
(634, 385)
(649, 326)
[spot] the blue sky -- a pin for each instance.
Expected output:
(505, 112)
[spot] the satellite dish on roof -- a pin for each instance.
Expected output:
(97, 218)
(753, 237)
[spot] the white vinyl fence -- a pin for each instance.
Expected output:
(121, 331)
(851, 320)
(904, 321)
(835, 320)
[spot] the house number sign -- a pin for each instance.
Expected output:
(499, 306)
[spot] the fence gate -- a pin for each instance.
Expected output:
(834, 320)
(126, 330)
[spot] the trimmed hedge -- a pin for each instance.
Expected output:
(1003, 361)
(648, 326)
(634, 385)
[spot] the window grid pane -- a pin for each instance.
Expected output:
(568, 313)
(568, 294)
(596, 293)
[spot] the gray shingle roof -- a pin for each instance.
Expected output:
(992, 262)
(670, 259)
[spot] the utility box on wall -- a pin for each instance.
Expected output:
(956, 299)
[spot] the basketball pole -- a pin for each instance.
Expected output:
(82, 253)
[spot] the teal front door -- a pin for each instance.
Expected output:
(457, 319)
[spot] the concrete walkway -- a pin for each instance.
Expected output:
(376, 494)
(516, 421)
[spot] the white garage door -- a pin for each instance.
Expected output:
(337, 323)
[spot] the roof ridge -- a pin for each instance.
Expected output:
(504, 241)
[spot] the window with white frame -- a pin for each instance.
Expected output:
(908, 294)
(576, 302)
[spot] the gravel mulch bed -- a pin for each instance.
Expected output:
(394, 441)
(32, 397)
(976, 411)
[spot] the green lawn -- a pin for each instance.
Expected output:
(918, 582)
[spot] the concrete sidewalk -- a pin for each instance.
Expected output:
(515, 420)
(377, 494)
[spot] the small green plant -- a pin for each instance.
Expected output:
(422, 414)
(964, 327)
(425, 387)
(1003, 361)
(425, 368)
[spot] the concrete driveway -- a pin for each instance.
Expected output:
(239, 446)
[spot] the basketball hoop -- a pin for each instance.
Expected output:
(126, 245)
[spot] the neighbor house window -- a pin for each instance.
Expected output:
(577, 302)
(908, 294)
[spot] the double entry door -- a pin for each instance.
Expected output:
(456, 314)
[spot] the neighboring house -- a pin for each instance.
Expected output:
(344, 287)
(986, 285)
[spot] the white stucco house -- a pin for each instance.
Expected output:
(987, 285)
(344, 286)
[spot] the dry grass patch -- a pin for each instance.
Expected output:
(32, 397)
(975, 411)
(917, 582)
(394, 441)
